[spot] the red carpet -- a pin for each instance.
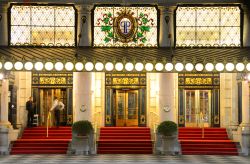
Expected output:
(34, 141)
(124, 140)
(215, 142)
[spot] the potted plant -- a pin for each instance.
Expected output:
(82, 136)
(167, 132)
(82, 128)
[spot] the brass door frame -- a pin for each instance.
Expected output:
(197, 100)
(125, 121)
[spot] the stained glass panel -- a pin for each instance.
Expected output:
(203, 26)
(42, 25)
(125, 26)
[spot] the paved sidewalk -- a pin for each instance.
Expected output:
(124, 159)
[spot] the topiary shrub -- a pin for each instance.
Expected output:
(81, 128)
(167, 128)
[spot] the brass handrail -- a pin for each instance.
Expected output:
(48, 119)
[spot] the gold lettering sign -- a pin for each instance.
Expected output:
(198, 81)
(52, 80)
(125, 81)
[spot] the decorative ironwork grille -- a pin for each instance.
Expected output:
(42, 25)
(145, 26)
(208, 26)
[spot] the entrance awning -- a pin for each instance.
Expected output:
(106, 59)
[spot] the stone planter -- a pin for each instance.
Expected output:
(168, 145)
(81, 145)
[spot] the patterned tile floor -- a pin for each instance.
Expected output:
(123, 159)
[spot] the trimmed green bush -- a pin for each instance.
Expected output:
(167, 128)
(82, 127)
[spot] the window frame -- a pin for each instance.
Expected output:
(211, 5)
(36, 4)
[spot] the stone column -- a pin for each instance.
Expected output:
(82, 96)
(166, 32)
(234, 110)
(4, 103)
(167, 88)
(245, 125)
(4, 123)
(3, 24)
(246, 28)
(84, 29)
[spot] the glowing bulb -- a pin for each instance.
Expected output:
(79, 66)
(38, 66)
(8, 65)
(28, 66)
(219, 67)
(89, 66)
(179, 67)
(209, 67)
(189, 67)
(149, 67)
(69, 66)
(240, 67)
(119, 66)
(229, 67)
(109, 66)
(18, 65)
(169, 67)
(199, 67)
(129, 66)
(139, 67)
(99, 66)
(49, 66)
(159, 66)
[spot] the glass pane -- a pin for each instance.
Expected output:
(20, 35)
(208, 16)
(185, 35)
(132, 105)
(64, 35)
(190, 107)
(208, 35)
(43, 35)
(204, 105)
(121, 105)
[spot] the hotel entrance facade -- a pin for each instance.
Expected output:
(126, 66)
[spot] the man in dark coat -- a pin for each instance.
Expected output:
(29, 108)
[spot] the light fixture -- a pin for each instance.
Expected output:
(169, 67)
(109, 66)
(38, 66)
(49, 66)
(28, 66)
(89, 66)
(240, 67)
(149, 67)
(79, 66)
(219, 67)
(229, 67)
(69, 66)
(1, 65)
(199, 67)
(139, 67)
(248, 77)
(179, 67)
(18, 65)
(209, 67)
(1, 76)
(8, 65)
(248, 66)
(59, 66)
(189, 67)
(119, 66)
(159, 67)
(129, 66)
(99, 66)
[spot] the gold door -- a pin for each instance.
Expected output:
(197, 108)
(127, 108)
(46, 100)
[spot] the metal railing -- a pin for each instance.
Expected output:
(153, 124)
(96, 125)
(48, 122)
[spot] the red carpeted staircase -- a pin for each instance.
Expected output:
(214, 142)
(34, 141)
(125, 140)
